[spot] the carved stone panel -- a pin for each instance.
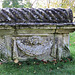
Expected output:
(42, 47)
(5, 48)
(34, 46)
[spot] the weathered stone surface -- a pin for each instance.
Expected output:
(22, 39)
(5, 47)
(29, 42)
(32, 15)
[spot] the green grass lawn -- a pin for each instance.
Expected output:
(36, 67)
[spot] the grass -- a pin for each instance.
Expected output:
(36, 67)
(72, 44)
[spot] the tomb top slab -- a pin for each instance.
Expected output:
(32, 15)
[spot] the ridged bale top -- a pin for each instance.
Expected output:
(32, 15)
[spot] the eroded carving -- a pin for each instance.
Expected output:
(35, 45)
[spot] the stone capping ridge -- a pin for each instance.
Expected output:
(37, 24)
(31, 16)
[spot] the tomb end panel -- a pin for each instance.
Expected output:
(41, 46)
(32, 46)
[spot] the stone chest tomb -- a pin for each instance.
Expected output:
(35, 33)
